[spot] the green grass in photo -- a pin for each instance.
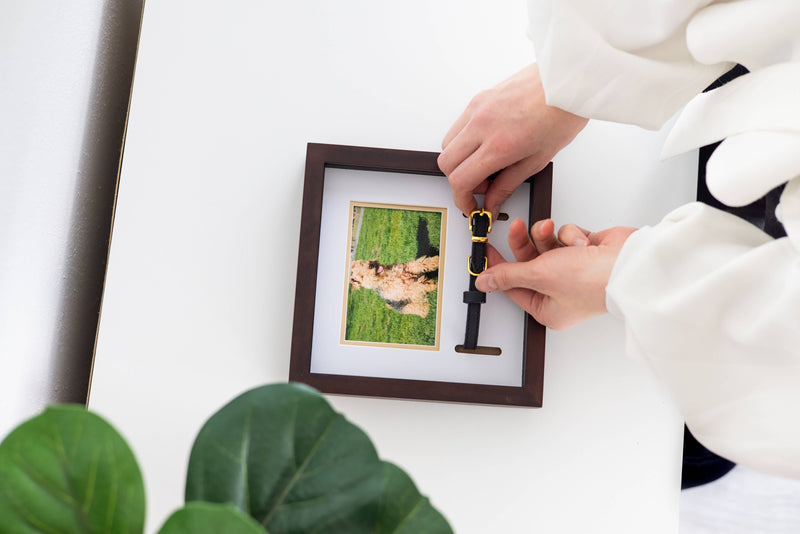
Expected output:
(390, 236)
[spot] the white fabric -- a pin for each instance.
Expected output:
(625, 61)
(710, 302)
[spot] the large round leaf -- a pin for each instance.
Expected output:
(281, 454)
(403, 510)
(210, 518)
(398, 509)
(67, 471)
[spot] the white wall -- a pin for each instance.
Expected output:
(44, 92)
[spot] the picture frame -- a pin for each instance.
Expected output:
(395, 188)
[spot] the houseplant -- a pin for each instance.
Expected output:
(276, 459)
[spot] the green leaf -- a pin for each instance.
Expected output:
(208, 518)
(67, 471)
(399, 508)
(403, 510)
(282, 455)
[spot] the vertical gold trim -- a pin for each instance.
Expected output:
(114, 207)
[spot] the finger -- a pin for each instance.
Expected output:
(548, 312)
(480, 189)
(612, 236)
(461, 147)
(469, 174)
(529, 300)
(544, 237)
(511, 275)
(508, 181)
(518, 240)
(464, 199)
(454, 130)
(574, 235)
(493, 257)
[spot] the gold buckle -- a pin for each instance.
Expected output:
(480, 212)
(478, 239)
(469, 266)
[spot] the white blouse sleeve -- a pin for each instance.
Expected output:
(619, 60)
(710, 303)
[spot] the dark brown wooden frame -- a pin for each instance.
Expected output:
(320, 156)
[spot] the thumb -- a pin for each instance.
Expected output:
(507, 181)
(511, 275)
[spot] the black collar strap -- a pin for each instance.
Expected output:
(480, 224)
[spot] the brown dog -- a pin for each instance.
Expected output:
(403, 286)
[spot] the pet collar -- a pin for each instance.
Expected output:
(480, 224)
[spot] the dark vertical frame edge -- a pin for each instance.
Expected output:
(535, 333)
(308, 255)
(320, 156)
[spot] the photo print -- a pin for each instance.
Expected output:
(394, 274)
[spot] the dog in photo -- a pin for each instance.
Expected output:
(403, 286)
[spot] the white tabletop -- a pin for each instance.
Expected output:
(200, 282)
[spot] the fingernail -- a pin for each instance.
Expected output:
(539, 225)
(580, 242)
(486, 283)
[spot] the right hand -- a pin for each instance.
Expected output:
(509, 127)
(561, 281)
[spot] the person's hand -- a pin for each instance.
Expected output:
(560, 280)
(508, 127)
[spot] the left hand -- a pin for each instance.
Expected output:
(508, 127)
(560, 280)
